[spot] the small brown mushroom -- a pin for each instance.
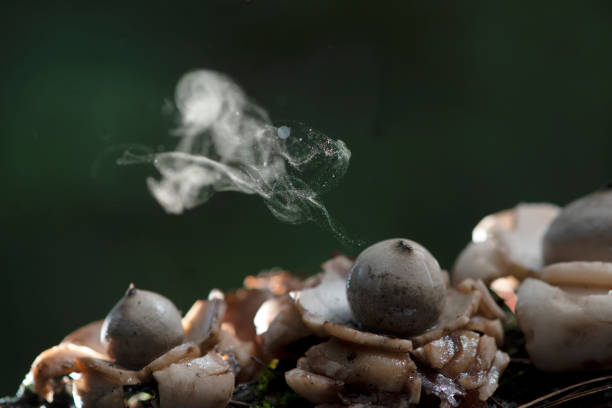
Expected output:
(279, 324)
(57, 361)
(396, 287)
(202, 322)
(143, 325)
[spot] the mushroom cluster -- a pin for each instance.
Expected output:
(384, 330)
(143, 340)
(144, 344)
(397, 332)
(562, 260)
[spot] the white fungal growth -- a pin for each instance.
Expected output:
(227, 143)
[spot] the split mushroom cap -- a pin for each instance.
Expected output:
(506, 243)
(582, 231)
(396, 287)
(143, 325)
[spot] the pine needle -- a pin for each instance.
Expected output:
(572, 396)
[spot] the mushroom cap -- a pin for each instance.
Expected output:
(396, 287)
(582, 231)
(506, 243)
(566, 328)
(143, 325)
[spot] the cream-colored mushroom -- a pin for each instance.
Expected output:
(506, 243)
(316, 388)
(466, 357)
(351, 365)
(568, 327)
(279, 323)
(239, 353)
(205, 382)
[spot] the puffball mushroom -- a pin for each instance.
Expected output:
(396, 287)
(143, 325)
(582, 231)
(358, 366)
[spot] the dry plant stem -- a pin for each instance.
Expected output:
(577, 395)
(242, 404)
(496, 402)
(261, 363)
(561, 391)
(521, 361)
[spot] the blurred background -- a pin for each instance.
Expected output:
(451, 110)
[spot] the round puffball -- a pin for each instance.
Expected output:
(396, 287)
(582, 231)
(142, 326)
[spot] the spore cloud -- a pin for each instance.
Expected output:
(228, 143)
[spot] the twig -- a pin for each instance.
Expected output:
(261, 363)
(561, 391)
(576, 395)
(243, 404)
(521, 361)
(496, 402)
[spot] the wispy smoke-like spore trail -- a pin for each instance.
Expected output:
(228, 143)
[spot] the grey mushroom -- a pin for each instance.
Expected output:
(396, 287)
(582, 231)
(142, 326)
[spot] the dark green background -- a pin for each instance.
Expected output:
(452, 110)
